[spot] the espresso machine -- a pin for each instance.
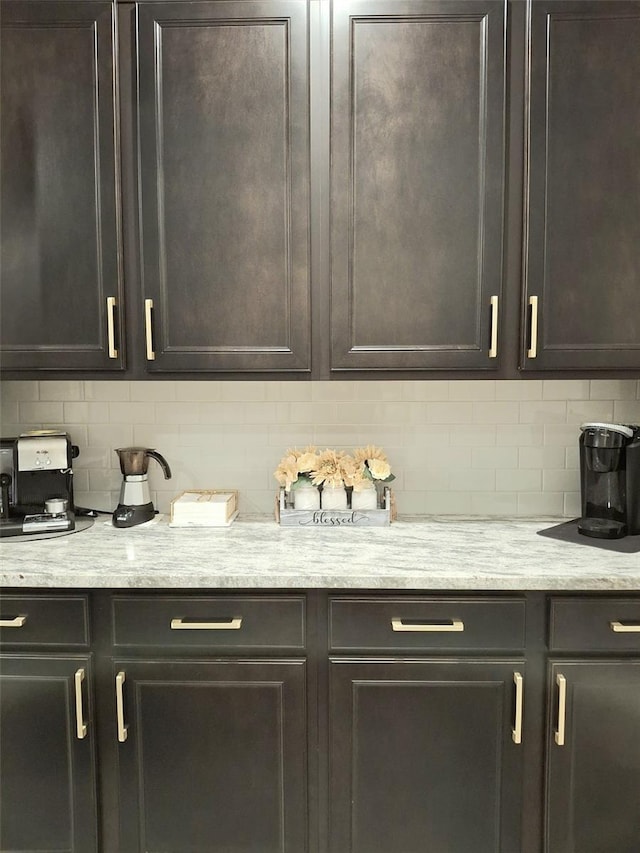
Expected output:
(135, 506)
(610, 480)
(36, 483)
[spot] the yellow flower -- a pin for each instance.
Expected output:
(287, 471)
(333, 468)
(364, 454)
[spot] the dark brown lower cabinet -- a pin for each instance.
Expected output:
(423, 756)
(47, 757)
(212, 756)
(593, 762)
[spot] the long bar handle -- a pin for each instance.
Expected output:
(226, 625)
(16, 622)
(148, 329)
(561, 681)
(532, 352)
(493, 347)
(449, 625)
(111, 326)
(122, 726)
(619, 628)
(516, 731)
(81, 726)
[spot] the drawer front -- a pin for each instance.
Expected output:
(595, 624)
(426, 624)
(234, 621)
(44, 620)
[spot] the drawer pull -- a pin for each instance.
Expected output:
(516, 731)
(493, 348)
(621, 628)
(561, 681)
(532, 352)
(148, 329)
(448, 625)
(111, 326)
(122, 727)
(221, 625)
(81, 726)
(16, 622)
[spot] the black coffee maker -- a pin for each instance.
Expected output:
(610, 480)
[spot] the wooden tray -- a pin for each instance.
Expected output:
(308, 518)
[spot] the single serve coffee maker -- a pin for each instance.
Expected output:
(134, 506)
(610, 480)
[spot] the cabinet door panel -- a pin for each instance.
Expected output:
(583, 242)
(593, 780)
(223, 114)
(215, 757)
(417, 159)
(422, 757)
(47, 774)
(60, 238)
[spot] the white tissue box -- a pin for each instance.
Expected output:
(204, 508)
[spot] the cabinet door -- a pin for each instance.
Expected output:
(582, 240)
(214, 758)
(224, 154)
(47, 770)
(60, 253)
(423, 757)
(593, 771)
(417, 160)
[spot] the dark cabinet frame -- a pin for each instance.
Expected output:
(519, 266)
(534, 770)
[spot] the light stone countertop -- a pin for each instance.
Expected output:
(414, 553)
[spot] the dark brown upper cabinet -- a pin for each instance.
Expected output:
(60, 245)
(582, 229)
(223, 119)
(417, 181)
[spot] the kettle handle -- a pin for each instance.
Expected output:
(162, 462)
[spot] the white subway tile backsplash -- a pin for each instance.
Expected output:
(581, 411)
(543, 412)
(519, 480)
(613, 389)
(561, 481)
(457, 447)
(110, 391)
(472, 389)
(44, 414)
(87, 413)
(626, 411)
(565, 389)
(540, 503)
(61, 390)
(494, 457)
(495, 413)
(132, 413)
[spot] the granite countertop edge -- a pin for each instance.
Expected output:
(414, 553)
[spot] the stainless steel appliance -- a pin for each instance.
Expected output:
(135, 506)
(36, 483)
(610, 480)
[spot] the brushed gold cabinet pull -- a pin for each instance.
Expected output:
(16, 622)
(516, 731)
(223, 625)
(122, 727)
(532, 352)
(81, 726)
(493, 348)
(561, 681)
(111, 326)
(619, 628)
(148, 329)
(435, 627)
